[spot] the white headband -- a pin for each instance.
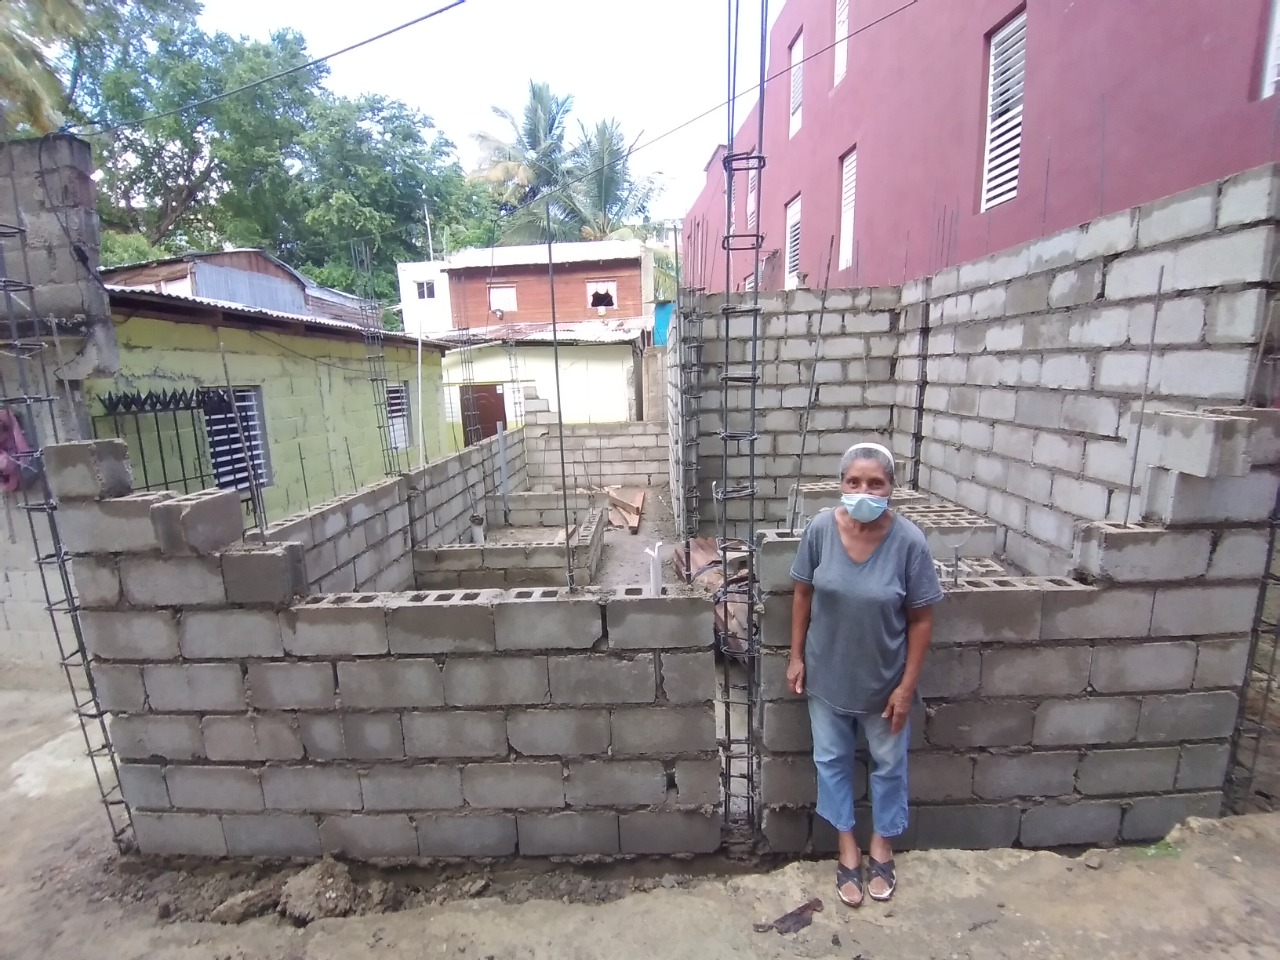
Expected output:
(870, 446)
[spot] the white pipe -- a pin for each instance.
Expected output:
(422, 420)
(655, 569)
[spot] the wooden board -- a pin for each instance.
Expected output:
(560, 534)
(617, 518)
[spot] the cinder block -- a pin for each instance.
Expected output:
(1092, 720)
(171, 834)
(1200, 444)
(567, 834)
(340, 625)
(602, 679)
(148, 737)
(1123, 554)
(1250, 197)
(172, 581)
(1188, 716)
(1221, 663)
(786, 831)
(373, 736)
(786, 726)
(941, 776)
(92, 470)
(1185, 214)
(250, 738)
(627, 783)
(989, 723)
(96, 581)
(1059, 824)
(497, 682)
(365, 837)
(1219, 261)
(967, 827)
(986, 612)
(1071, 614)
(480, 835)
(1151, 818)
(513, 786)
(417, 787)
(1109, 772)
(547, 619)
(272, 835)
(217, 687)
(143, 786)
(688, 677)
(1077, 286)
(389, 684)
(1039, 671)
(1025, 775)
(118, 687)
(311, 788)
(775, 620)
(455, 734)
(663, 731)
(1175, 499)
(198, 523)
(442, 622)
(637, 620)
(698, 782)
(1143, 667)
(775, 553)
(1238, 555)
(669, 832)
(556, 733)
(1203, 766)
(214, 788)
(230, 635)
(948, 672)
(268, 575)
(1204, 610)
(792, 781)
(291, 686)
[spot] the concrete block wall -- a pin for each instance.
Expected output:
(444, 496)
(676, 451)
(528, 508)
(249, 722)
(633, 454)
(1054, 712)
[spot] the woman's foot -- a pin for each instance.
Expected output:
(883, 880)
(849, 882)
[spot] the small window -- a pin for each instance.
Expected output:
(793, 244)
(749, 282)
(398, 415)
(1271, 66)
(502, 298)
(848, 191)
(426, 290)
(602, 294)
(1003, 152)
(229, 457)
(797, 83)
(753, 185)
(842, 41)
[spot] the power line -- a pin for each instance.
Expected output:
(277, 76)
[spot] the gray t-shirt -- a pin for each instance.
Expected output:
(856, 649)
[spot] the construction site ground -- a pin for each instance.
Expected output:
(1209, 891)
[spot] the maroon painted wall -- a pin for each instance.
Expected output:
(1126, 102)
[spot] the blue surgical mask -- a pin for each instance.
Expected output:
(863, 507)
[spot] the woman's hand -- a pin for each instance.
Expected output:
(899, 707)
(795, 676)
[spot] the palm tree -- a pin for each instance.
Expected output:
(29, 87)
(534, 158)
(605, 200)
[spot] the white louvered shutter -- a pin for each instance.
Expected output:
(797, 83)
(793, 244)
(1271, 69)
(842, 41)
(848, 192)
(1003, 154)
(229, 458)
(753, 184)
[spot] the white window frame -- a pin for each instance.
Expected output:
(399, 416)
(749, 282)
(227, 455)
(842, 42)
(753, 187)
(1006, 85)
(848, 201)
(1271, 64)
(797, 83)
(426, 289)
(506, 299)
(602, 286)
(791, 248)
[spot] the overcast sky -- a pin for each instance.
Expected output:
(652, 64)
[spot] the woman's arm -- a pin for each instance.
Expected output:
(801, 606)
(919, 636)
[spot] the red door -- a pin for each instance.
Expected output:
(484, 411)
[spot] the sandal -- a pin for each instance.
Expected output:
(886, 873)
(849, 875)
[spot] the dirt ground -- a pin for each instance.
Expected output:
(64, 893)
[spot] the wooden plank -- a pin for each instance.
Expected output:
(560, 534)
(617, 518)
(618, 498)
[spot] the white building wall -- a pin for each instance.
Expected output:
(431, 315)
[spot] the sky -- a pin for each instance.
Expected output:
(652, 64)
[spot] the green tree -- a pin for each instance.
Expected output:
(605, 200)
(30, 33)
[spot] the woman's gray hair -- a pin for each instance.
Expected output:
(868, 451)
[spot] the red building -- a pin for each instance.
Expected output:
(942, 130)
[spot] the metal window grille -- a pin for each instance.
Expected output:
(793, 244)
(230, 458)
(842, 41)
(797, 82)
(1271, 69)
(848, 192)
(753, 184)
(1003, 152)
(398, 415)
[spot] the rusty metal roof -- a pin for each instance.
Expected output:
(580, 331)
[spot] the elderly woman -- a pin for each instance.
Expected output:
(861, 625)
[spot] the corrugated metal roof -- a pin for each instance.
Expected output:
(536, 253)
(585, 331)
(324, 323)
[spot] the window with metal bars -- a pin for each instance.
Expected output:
(848, 192)
(1271, 67)
(229, 456)
(398, 415)
(1002, 154)
(842, 41)
(797, 83)
(793, 244)
(753, 185)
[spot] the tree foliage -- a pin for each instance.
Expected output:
(29, 30)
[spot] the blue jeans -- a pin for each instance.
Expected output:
(835, 738)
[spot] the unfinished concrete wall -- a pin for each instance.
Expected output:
(444, 497)
(634, 453)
